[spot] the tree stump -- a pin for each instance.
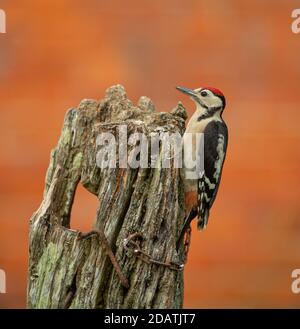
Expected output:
(68, 272)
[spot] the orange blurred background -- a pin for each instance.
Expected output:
(57, 52)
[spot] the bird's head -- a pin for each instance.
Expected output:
(209, 98)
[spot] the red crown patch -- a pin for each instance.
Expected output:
(216, 91)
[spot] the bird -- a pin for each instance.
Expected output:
(201, 191)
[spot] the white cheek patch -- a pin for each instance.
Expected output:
(220, 159)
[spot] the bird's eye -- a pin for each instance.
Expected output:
(203, 93)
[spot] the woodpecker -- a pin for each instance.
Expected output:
(200, 193)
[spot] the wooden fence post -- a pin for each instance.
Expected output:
(66, 271)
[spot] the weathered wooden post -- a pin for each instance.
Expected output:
(140, 212)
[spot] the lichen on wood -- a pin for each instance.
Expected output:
(67, 272)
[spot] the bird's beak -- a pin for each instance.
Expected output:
(186, 91)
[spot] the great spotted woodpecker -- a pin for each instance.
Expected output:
(200, 193)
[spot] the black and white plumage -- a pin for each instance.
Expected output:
(200, 193)
(215, 146)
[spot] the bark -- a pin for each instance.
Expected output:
(67, 272)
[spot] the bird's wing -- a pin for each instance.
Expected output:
(215, 145)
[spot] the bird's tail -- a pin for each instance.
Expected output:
(203, 219)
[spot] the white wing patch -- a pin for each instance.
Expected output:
(210, 185)
(201, 193)
(220, 158)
